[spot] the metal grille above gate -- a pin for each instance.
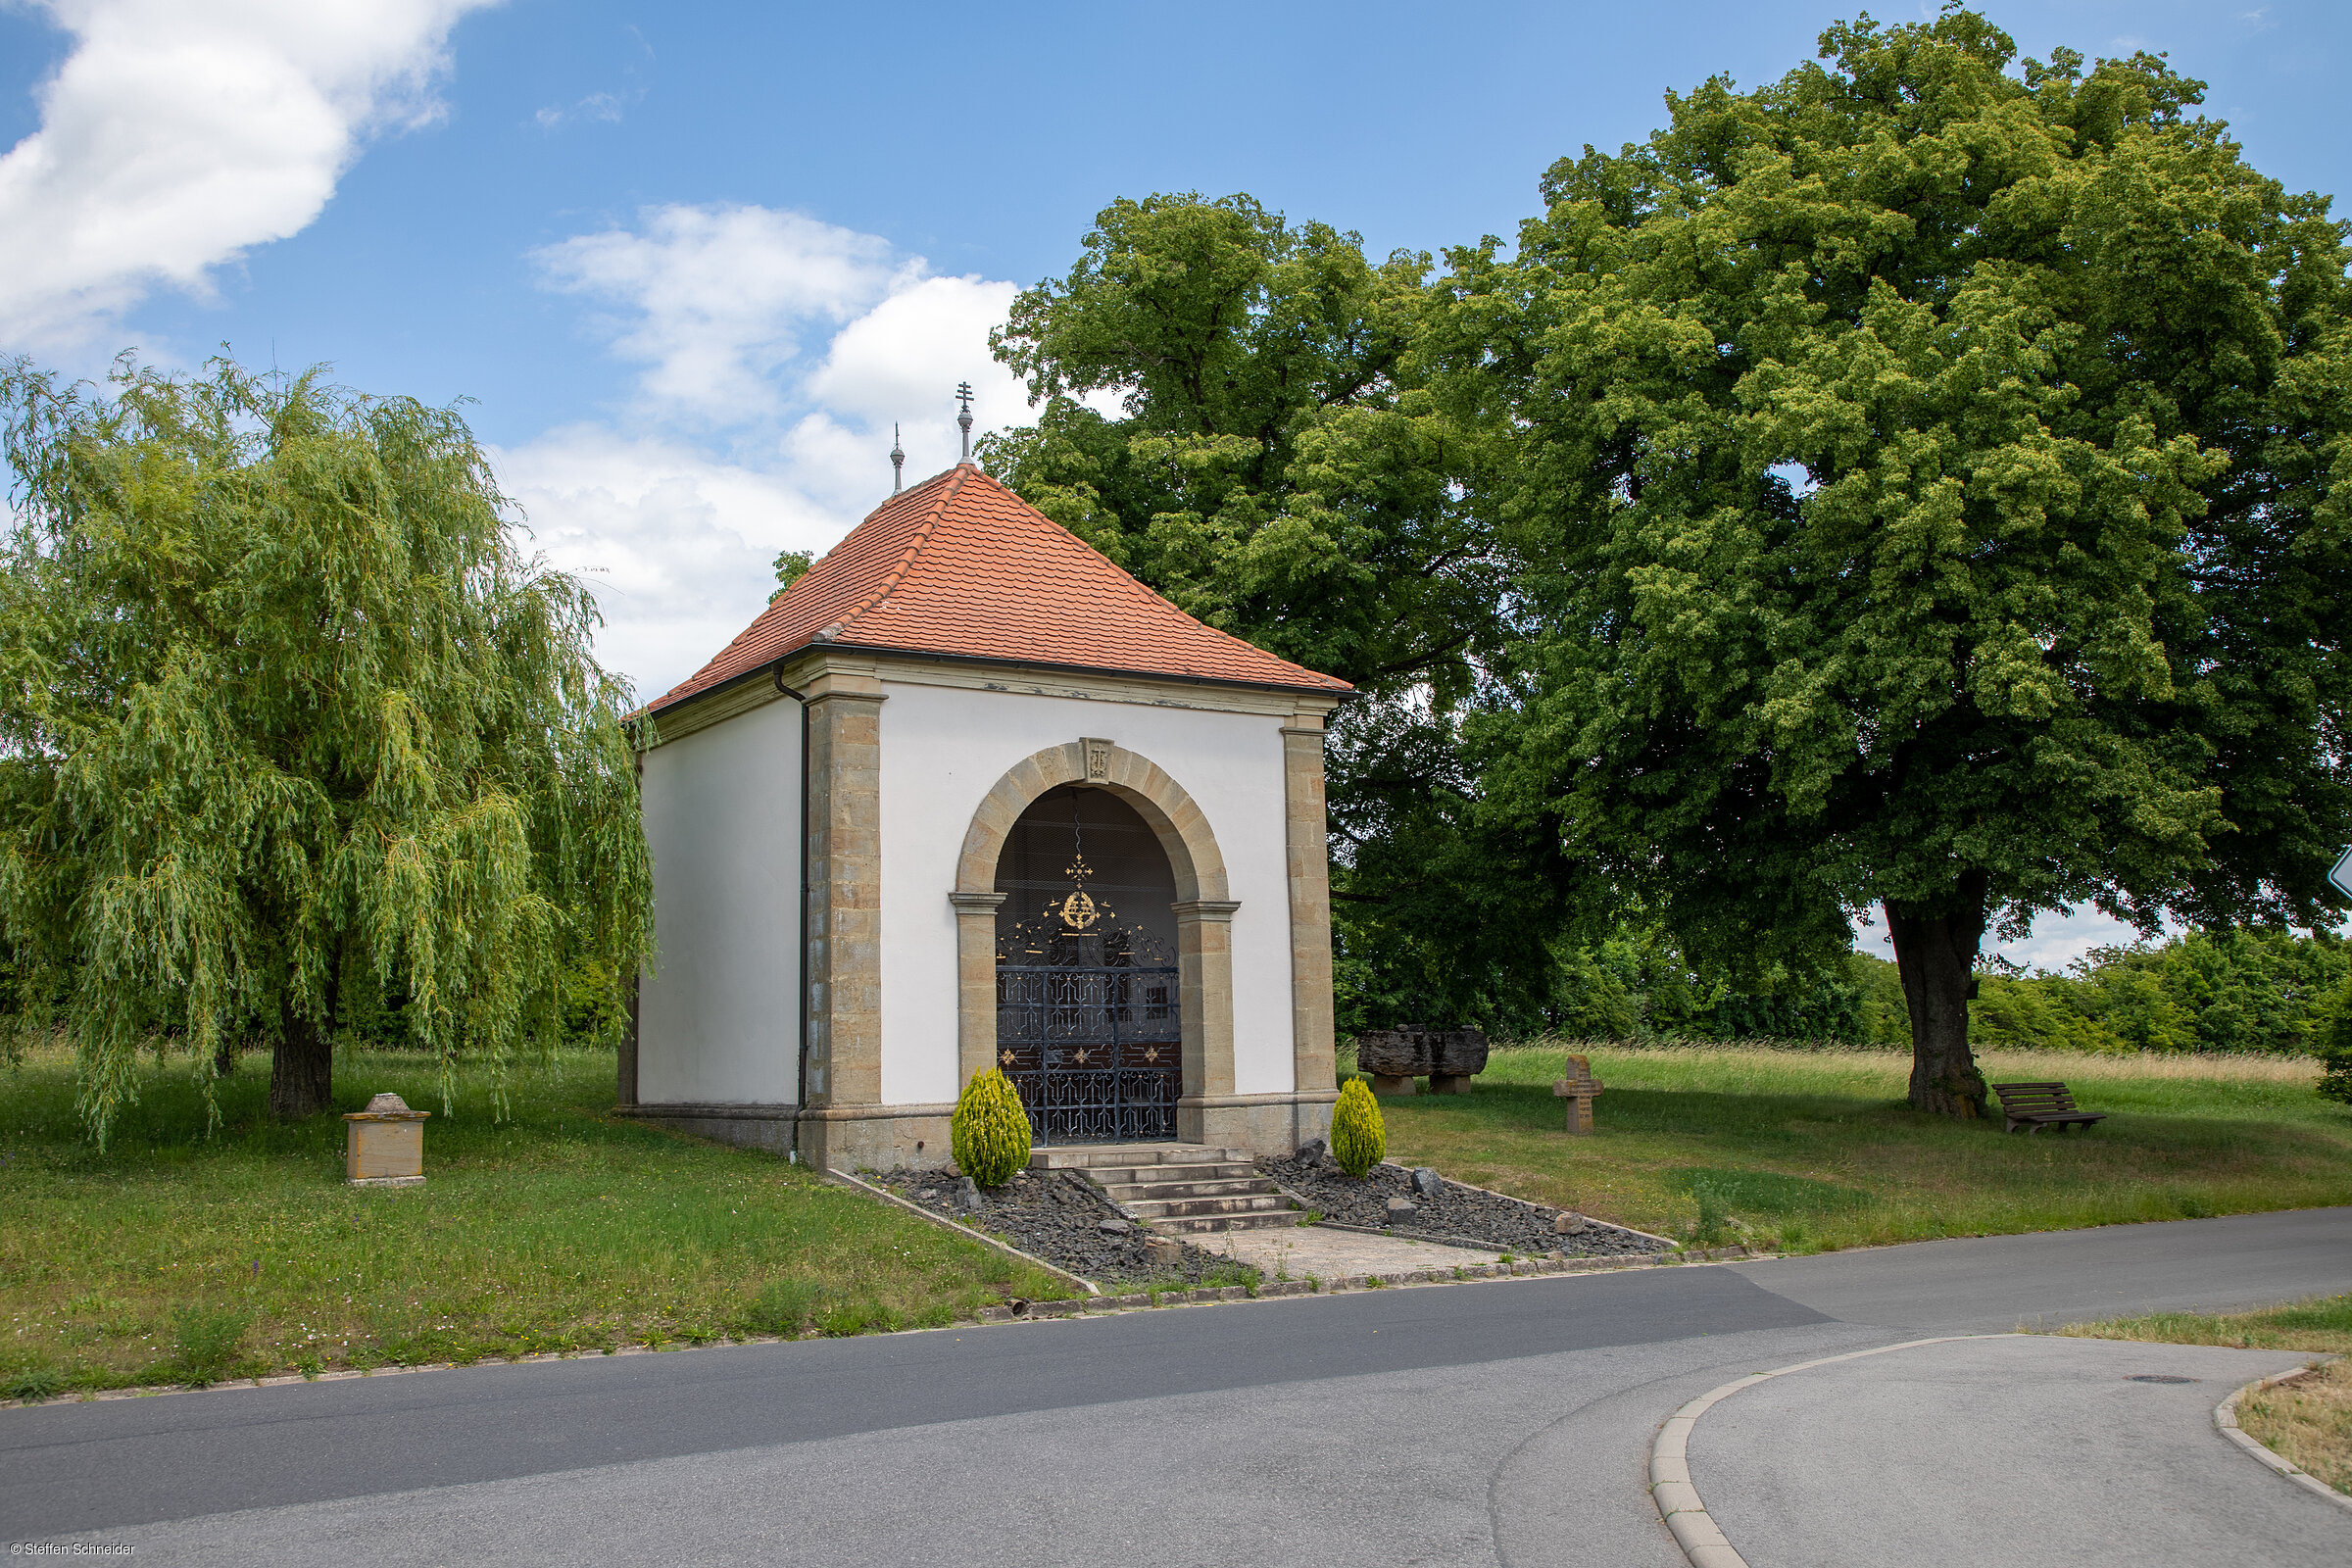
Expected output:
(1088, 1023)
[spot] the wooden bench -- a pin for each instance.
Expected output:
(2034, 1107)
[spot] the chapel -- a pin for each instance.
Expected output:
(967, 795)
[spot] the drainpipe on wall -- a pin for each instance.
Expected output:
(800, 1086)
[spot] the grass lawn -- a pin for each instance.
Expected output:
(175, 1257)
(1813, 1150)
(2325, 1324)
(2307, 1422)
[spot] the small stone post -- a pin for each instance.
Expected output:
(1578, 1089)
(383, 1146)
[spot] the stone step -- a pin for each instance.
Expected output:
(1161, 1175)
(1209, 1224)
(1158, 1208)
(1139, 1192)
(1097, 1156)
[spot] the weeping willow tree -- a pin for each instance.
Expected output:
(285, 713)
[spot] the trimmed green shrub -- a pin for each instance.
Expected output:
(1359, 1139)
(990, 1135)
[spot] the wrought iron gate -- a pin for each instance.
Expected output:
(1088, 1023)
(1094, 1050)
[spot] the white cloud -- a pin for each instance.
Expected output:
(807, 343)
(713, 301)
(608, 107)
(676, 543)
(177, 134)
(897, 357)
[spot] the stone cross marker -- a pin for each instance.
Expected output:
(1577, 1090)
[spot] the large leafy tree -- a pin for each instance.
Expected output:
(1266, 470)
(1934, 481)
(284, 715)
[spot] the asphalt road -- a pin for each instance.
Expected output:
(1841, 1445)
(1498, 1422)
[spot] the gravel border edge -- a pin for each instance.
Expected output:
(1668, 1241)
(980, 1236)
(1673, 1247)
(2225, 1421)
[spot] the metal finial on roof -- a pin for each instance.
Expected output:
(898, 461)
(964, 393)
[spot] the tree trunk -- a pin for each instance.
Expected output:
(302, 1070)
(1935, 953)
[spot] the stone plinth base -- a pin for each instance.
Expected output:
(1393, 1083)
(851, 1138)
(769, 1127)
(828, 1137)
(1263, 1124)
(1449, 1083)
(876, 1137)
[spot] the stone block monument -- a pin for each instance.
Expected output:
(1446, 1057)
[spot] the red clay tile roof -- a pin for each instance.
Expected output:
(960, 565)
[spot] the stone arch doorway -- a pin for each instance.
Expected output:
(1201, 911)
(1089, 1016)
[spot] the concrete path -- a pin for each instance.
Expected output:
(1944, 1452)
(1505, 1422)
(1301, 1252)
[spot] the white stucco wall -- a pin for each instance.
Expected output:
(716, 1017)
(943, 749)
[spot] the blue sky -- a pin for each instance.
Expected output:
(692, 261)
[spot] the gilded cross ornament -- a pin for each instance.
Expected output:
(1079, 909)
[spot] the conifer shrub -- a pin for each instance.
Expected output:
(1358, 1139)
(989, 1134)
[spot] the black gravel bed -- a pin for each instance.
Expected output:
(1059, 1216)
(1453, 1212)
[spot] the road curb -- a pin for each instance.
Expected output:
(1075, 1307)
(2225, 1421)
(1679, 1507)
